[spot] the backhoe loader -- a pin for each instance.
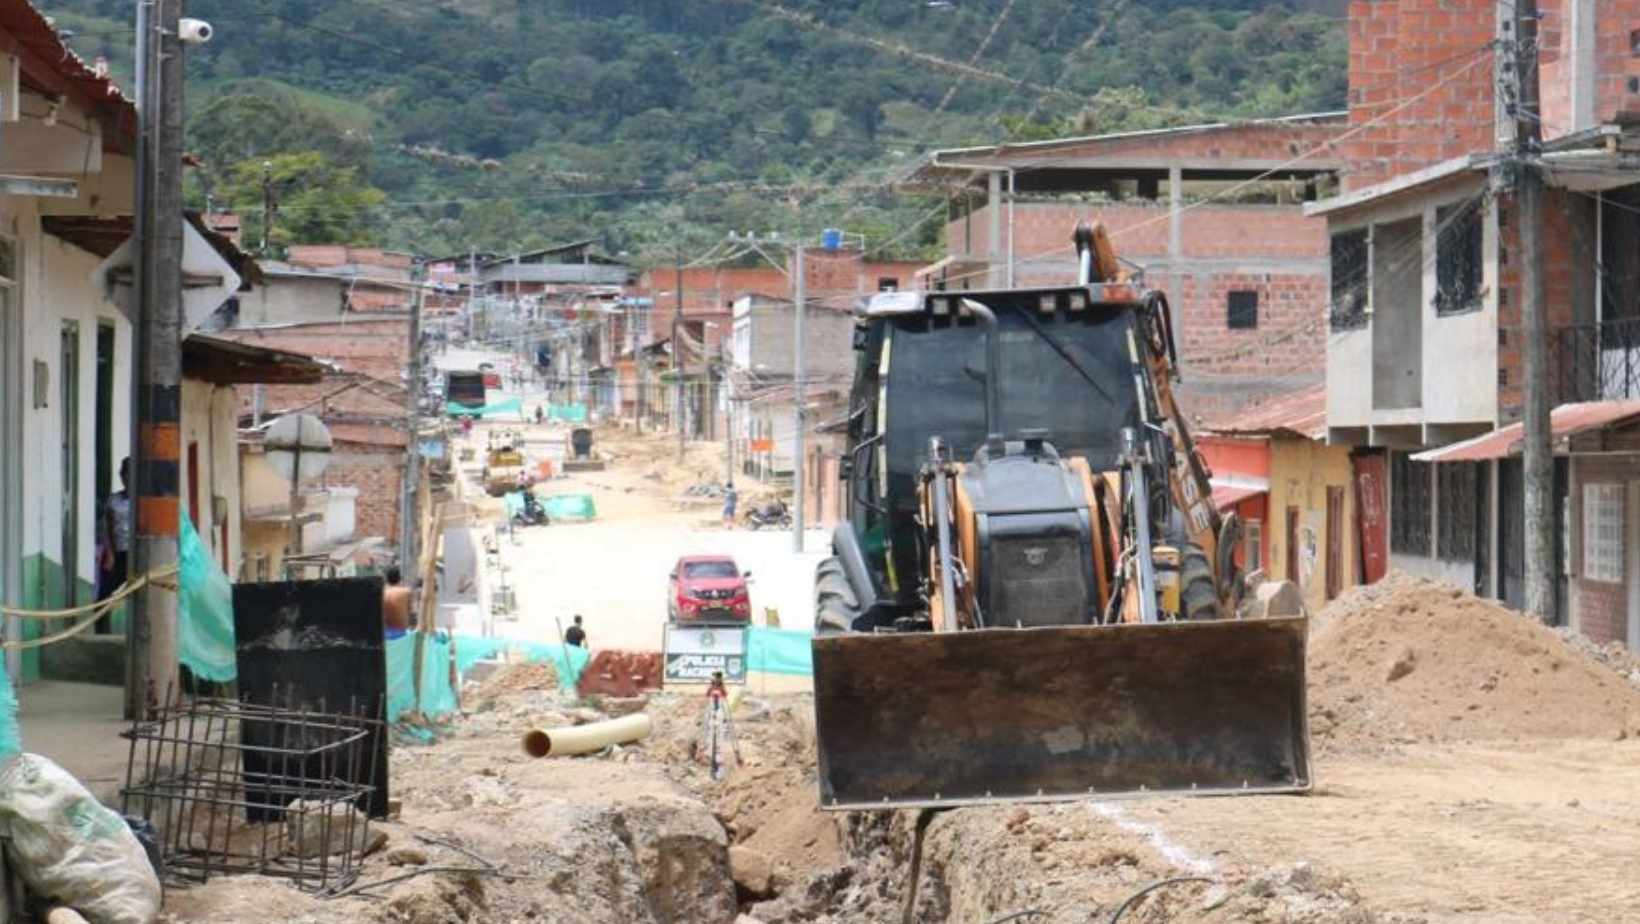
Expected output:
(1033, 597)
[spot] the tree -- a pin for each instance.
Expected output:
(318, 201)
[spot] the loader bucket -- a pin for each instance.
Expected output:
(1063, 712)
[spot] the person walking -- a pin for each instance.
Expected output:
(576, 635)
(731, 498)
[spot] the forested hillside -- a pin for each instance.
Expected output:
(439, 124)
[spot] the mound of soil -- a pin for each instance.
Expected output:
(1415, 660)
(517, 678)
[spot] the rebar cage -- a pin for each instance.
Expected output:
(235, 788)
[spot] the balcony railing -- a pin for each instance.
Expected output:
(1597, 362)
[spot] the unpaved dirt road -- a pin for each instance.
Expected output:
(1471, 769)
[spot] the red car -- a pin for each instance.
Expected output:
(708, 588)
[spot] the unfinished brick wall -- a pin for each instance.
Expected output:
(834, 279)
(1290, 338)
(1606, 36)
(377, 472)
(1430, 51)
(1566, 251)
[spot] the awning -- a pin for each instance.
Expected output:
(1227, 495)
(1564, 421)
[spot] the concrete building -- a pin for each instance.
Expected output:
(1424, 352)
(720, 303)
(1295, 493)
(1211, 214)
(66, 147)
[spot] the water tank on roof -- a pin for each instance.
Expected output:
(831, 238)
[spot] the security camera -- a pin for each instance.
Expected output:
(194, 31)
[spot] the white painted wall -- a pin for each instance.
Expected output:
(210, 420)
(1461, 351)
(55, 284)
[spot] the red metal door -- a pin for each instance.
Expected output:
(1372, 514)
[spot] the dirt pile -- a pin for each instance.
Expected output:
(1415, 660)
(767, 801)
(510, 679)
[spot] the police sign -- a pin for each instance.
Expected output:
(694, 653)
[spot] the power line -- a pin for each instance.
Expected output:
(1479, 56)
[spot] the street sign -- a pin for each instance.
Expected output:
(298, 447)
(208, 280)
(694, 653)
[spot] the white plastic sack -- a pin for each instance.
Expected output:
(72, 849)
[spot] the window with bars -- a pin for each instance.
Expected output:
(1348, 308)
(1603, 532)
(1409, 513)
(1458, 258)
(1243, 309)
(1457, 493)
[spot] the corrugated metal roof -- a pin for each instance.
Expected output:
(1299, 413)
(1227, 496)
(1564, 421)
(29, 27)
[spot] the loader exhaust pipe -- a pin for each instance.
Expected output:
(993, 374)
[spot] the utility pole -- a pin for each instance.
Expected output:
(799, 305)
(267, 205)
(1538, 455)
(408, 520)
(677, 351)
(157, 448)
(472, 290)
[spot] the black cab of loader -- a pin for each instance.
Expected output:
(1066, 380)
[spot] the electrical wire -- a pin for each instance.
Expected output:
(1116, 916)
(1478, 55)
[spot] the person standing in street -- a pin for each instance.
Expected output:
(114, 535)
(731, 498)
(576, 635)
(395, 606)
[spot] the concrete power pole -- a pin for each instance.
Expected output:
(677, 352)
(157, 451)
(409, 523)
(799, 301)
(1537, 452)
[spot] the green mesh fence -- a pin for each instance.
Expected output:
(204, 611)
(11, 740)
(780, 651)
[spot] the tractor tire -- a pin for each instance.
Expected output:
(836, 606)
(1199, 594)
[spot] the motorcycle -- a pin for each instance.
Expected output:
(772, 514)
(532, 514)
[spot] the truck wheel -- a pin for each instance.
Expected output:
(1199, 598)
(835, 604)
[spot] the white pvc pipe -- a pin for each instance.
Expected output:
(584, 739)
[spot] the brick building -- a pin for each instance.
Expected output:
(1424, 355)
(834, 279)
(362, 399)
(1212, 215)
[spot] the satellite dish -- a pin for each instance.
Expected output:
(298, 447)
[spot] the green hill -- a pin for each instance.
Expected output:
(502, 123)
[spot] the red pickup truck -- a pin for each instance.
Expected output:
(708, 588)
